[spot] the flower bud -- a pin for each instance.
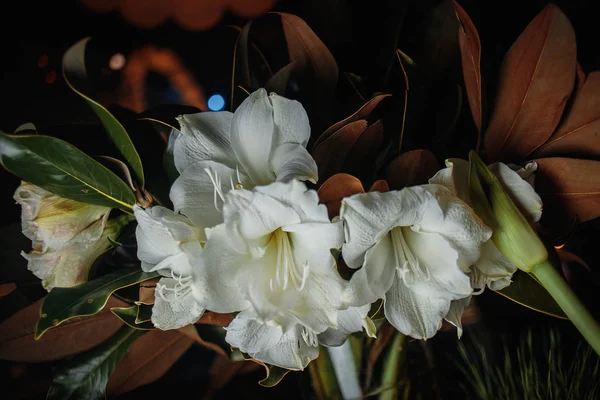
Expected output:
(512, 234)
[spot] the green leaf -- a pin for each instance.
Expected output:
(144, 313)
(75, 75)
(526, 291)
(129, 316)
(274, 374)
(392, 365)
(85, 376)
(62, 304)
(63, 169)
(322, 376)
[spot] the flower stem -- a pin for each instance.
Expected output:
(569, 302)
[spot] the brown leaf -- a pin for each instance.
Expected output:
(411, 168)
(74, 336)
(213, 318)
(470, 52)
(580, 76)
(536, 79)
(385, 334)
(146, 291)
(148, 358)
(380, 185)
(330, 155)
(7, 288)
(362, 113)
(569, 188)
(334, 189)
(579, 134)
(360, 160)
(566, 256)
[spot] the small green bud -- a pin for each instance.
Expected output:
(512, 234)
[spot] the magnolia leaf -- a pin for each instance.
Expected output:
(85, 375)
(274, 374)
(470, 52)
(393, 364)
(330, 154)
(384, 335)
(129, 315)
(323, 378)
(146, 291)
(380, 185)
(579, 133)
(144, 313)
(334, 189)
(361, 158)
(166, 114)
(363, 113)
(62, 169)
(148, 358)
(526, 291)
(536, 79)
(119, 168)
(569, 188)
(7, 288)
(213, 318)
(75, 74)
(213, 337)
(62, 304)
(279, 81)
(411, 168)
(76, 335)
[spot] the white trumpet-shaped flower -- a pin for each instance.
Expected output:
(415, 247)
(262, 142)
(169, 243)
(271, 260)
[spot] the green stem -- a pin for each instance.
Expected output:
(569, 302)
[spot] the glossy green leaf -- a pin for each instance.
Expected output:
(85, 376)
(144, 313)
(75, 75)
(392, 366)
(322, 376)
(274, 374)
(526, 291)
(129, 316)
(61, 168)
(62, 304)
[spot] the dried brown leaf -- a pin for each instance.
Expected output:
(579, 134)
(380, 185)
(411, 168)
(360, 160)
(213, 318)
(536, 79)
(330, 155)
(7, 288)
(76, 335)
(569, 188)
(148, 358)
(146, 291)
(334, 189)
(470, 52)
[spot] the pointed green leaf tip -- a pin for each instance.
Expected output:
(512, 234)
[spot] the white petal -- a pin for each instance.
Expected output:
(293, 161)
(172, 310)
(455, 177)
(166, 240)
(369, 216)
(204, 136)
(350, 320)
(415, 315)
(254, 214)
(295, 194)
(374, 279)
(291, 352)
(252, 136)
(492, 269)
(313, 241)
(291, 121)
(454, 316)
(198, 190)
(437, 266)
(521, 192)
(214, 274)
(251, 336)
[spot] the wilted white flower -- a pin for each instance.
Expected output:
(169, 243)
(66, 235)
(262, 142)
(271, 260)
(415, 247)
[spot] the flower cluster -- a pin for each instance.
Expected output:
(246, 236)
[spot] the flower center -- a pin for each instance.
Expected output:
(286, 269)
(182, 288)
(215, 179)
(310, 337)
(407, 265)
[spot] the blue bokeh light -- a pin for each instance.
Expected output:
(216, 102)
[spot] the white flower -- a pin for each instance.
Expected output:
(169, 243)
(416, 247)
(271, 260)
(493, 269)
(262, 142)
(66, 235)
(53, 222)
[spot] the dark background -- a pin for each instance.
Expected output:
(32, 90)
